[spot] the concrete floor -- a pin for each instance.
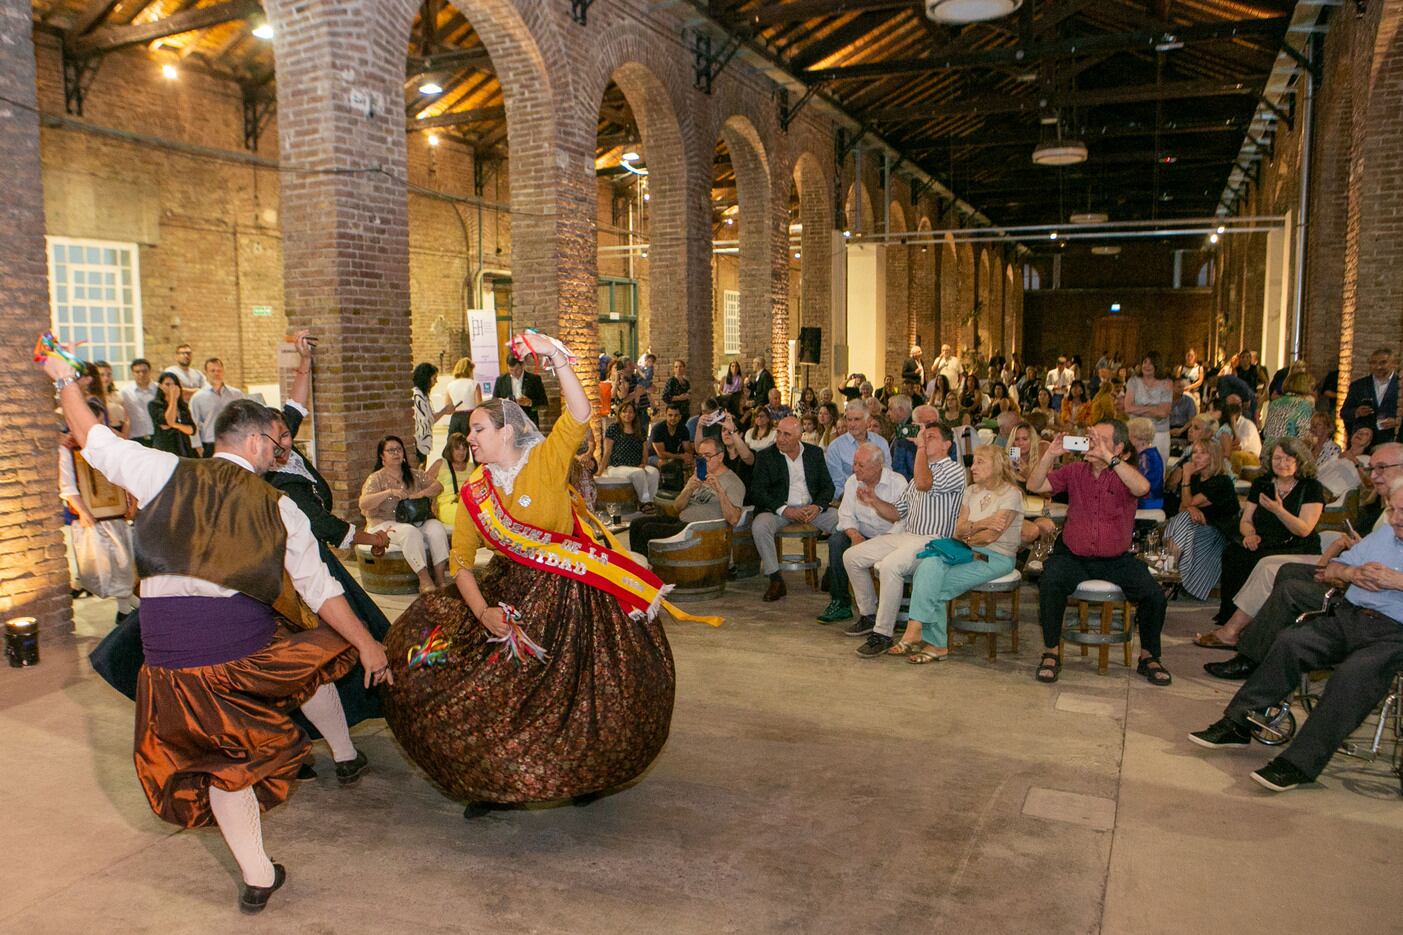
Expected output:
(802, 790)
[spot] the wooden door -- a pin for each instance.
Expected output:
(1114, 333)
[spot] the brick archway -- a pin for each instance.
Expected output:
(923, 300)
(752, 171)
(901, 327)
(815, 280)
(964, 302)
(858, 190)
(947, 314)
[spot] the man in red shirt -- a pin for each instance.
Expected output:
(1095, 544)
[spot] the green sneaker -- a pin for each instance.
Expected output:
(835, 611)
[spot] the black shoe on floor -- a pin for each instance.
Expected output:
(254, 899)
(875, 646)
(1222, 733)
(350, 771)
(863, 626)
(1280, 776)
(478, 809)
(835, 611)
(1235, 669)
(306, 772)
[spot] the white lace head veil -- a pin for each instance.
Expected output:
(506, 413)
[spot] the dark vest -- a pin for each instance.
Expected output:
(216, 521)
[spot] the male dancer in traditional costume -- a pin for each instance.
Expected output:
(219, 552)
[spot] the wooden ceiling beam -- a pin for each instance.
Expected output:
(112, 38)
(774, 14)
(1004, 104)
(458, 118)
(93, 14)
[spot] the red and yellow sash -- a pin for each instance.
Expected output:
(574, 555)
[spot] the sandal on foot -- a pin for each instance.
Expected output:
(927, 656)
(1055, 668)
(1210, 640)
(903, 648)
(1154, 671)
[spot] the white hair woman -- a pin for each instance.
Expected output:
(989, 522)
(529, 681)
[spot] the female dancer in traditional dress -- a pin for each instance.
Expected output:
(546, 675)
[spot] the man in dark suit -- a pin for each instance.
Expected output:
(1372, 400)
(525, 388)
(790, 484)
(760, 383)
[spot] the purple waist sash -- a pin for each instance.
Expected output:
(185, 632)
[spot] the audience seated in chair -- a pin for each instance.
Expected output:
(790, 484)
(1102, 494)
(839, 456)
(928, 509)
(720, 495)
(1361, 636)
(858, 522)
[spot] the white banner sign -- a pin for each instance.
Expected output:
(482, 338)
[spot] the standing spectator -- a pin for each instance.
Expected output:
(524, 388)
(1229, 384)
(1192, 373)
(424, 546)
(839, 456)
(209, 402)
(720, 496)
(188, 377)
(465, 395)
(903, 433)
(1059, 378)
(913, 368)
(1095, 544)
(1283, 507)
(1372, 400)
(949, 365)
(991, 512)
(1149, 394)
(1327, 394)
(672, 445)
(646, 371)
(170, 414)
(425, 376)
(678, 390)
(111, 399)
(928, 508)
(136, 401)
(734, 381)
(790, 484)
(859, 521)
(760, 383)
(625, 456)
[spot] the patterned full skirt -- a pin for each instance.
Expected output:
(589, 717)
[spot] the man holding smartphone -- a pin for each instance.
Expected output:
(713, 492)
(1102, 494)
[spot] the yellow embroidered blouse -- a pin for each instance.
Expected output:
(540, 496)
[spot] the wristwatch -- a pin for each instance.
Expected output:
(1112, 463)
(61, 382)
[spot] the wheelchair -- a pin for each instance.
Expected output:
(1276, 725)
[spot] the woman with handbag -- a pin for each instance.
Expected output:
(399, 500)
(986, 539)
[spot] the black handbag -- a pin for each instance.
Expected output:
(416, 511)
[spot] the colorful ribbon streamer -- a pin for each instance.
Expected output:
(516, 645)
(431, 652)
(524, 346)
(50, 346)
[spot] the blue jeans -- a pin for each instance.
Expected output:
(838, 575)
(937, 582)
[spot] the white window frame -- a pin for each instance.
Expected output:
(730, 321)
(66, 330)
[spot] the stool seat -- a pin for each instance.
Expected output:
(1009, 582)
(799, 530)
(806, 560)
(386, 574)
(1097, 590)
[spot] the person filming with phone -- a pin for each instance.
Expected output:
(1102, 493)
(713, 492)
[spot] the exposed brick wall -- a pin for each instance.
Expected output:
(33, 569)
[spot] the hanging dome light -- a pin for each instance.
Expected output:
(1059, 153)
(969, 11)
(1089, 217)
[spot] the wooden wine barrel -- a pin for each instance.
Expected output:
(694, 561)
(617, 492)
(386, 574)
(745, 561)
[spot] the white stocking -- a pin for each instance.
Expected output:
(239, 822)
(324, 711)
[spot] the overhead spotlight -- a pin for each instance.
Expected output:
(629, 156)
(1052, 236)
(647, 196)
(1059, 153)
(430, 87)
(847, 233)
(730, 221)
(969, 11)
(170, 71)
(1212, 238)
(1168, 43)
(263, 30)
(433, 139)
(796, 254)
(1222, 229)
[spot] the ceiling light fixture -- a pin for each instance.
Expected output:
(433, 139)
(1212, 238)
(1090, 217)
(969, 11)
(430, 87)
(630, 156)
(170, 71)
(263, 31)
(1168, 43)
(1105, 250)
(1060, 153)
(1222, 229)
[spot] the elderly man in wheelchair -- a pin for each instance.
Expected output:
(1361, 635)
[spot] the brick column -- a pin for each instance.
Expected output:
(345, 221)
(33, 569)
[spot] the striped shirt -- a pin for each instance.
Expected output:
(933, 512)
